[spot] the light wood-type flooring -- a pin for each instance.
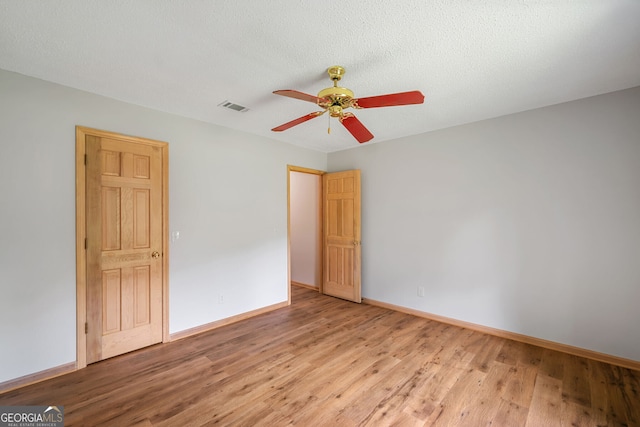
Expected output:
(327, 362)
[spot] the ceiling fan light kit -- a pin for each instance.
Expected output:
(336, 99)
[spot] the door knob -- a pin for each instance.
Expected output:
(155, 254)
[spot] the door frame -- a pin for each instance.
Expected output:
(81, 234)
(319, 229)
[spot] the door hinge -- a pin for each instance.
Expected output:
(85, 243)
(86, 327)
(85, 159)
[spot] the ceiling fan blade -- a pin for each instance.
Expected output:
(299, 95)
(390, 100)
(356, 128)
(297, 121)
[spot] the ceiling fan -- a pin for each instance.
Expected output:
(336, 99)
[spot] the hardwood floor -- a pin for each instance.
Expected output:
(328, 362)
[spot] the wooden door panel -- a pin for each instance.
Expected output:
(342, 235)
(348, 256)
(141, 295)
(341, 221)
(141, 220)
(110, 218)
(111, 297)
(124, 230)
(110, 163)
(127, 304)
(333, 264)
(347, 219)
(333, 218)
(141, 167)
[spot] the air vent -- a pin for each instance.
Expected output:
(234, 107)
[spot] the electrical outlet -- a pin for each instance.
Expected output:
(220, 299)
(421, 291)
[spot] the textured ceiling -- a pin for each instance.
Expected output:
(472, 59)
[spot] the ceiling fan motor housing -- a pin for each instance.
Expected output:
(332, 97)
(335, 98)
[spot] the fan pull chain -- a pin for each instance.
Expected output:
(329, 128)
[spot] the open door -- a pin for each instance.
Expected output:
(341, 235)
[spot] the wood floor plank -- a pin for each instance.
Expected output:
(546, 403)
(575, 384)
(623, 406)
(328, 362)
(510, 414)
(486, 354)
(356, 400)
(409, 396)
(520, 385)
(631, 394)
(599, 392)
(574, 414)
(427, 398)
(396, 419)
(552, 363)
(458, 408)
(497, 385)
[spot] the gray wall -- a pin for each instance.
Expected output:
(528, 223)
(228, 200)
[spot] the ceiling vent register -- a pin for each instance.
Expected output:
(234, 107)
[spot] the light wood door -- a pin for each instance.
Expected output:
(342, 250)
(124, 246)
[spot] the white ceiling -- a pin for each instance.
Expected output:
(472, 59)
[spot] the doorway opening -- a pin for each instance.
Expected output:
(330, 255)
(305, 227)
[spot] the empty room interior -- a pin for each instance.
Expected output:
(321, 213)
